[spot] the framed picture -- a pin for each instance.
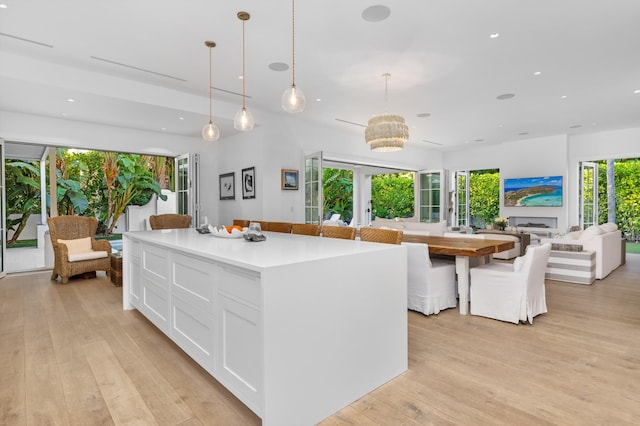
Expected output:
(249, 183)
(289, 179)
(228, 186)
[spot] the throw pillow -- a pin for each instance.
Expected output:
(575, 235)
(77, 246)
(591, 232)
(608, 227)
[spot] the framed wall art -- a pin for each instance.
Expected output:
(228, 186)
(289, 179)
(249, 183)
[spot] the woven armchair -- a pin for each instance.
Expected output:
(71, 228)
(169, 221)
(377, 235)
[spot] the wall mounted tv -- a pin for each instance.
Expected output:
(533, 192)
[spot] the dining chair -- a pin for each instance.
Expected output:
(284, 227)
(431, 283)
(344, 232)
(305, 229)
(241, 222)
(511, 292)
(379, 235)
(169, 221)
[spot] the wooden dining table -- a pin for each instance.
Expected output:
(462, 249)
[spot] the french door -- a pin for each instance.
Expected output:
(3, 229)
(432, 196)
(187, 168)
(588, 190)
(313, 188)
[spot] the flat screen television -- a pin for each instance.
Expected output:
(533, 192)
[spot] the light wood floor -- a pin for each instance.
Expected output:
(69, 354)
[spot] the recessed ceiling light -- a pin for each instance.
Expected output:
(523, 133)
(423, 115)
(636, 91)
(71, 100)
(563, 97)
(479, 140)
(575, 126)
(3, 6)
(376, 13)
(505, 96)
(180, 118)
(240, 77)
(537, 73)
(278, 66)
(494, 35)
(318, 100)
(163, 129)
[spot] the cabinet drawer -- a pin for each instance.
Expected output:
(240, 283)
(155, 263)
(194, 280)
(193, 329)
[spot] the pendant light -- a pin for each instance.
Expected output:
(386, 132)
(243, 120)
(293, 99)
(210, 131)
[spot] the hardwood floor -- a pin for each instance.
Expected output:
(69, 354)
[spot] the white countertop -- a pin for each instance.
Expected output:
(278, 249)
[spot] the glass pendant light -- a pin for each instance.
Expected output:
(243, 120)
(293, 99)
(210, 131)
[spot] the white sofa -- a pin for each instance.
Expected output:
(507, 254)
(411, 226)
(604, 240)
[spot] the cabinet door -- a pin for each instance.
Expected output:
(240, 353)
(133, 273)
(193, 289)
(239, 359)
(155, 286)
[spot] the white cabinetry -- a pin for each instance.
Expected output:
(296, 327)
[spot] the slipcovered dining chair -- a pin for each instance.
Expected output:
(75, 248)
(344, 232)
(511, 292)
(431, 283)
(379, 235)
(305, 229)
(169, 221)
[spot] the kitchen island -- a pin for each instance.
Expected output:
(296, 327)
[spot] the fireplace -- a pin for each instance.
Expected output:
(533, 222)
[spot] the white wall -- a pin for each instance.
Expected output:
(526, 158)
(281, 141)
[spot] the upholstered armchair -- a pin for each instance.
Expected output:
(169, 221)
(511, 292)
(431, 283)
(75, 248)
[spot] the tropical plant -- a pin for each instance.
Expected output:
(392, 195)
(22, 181)
(337, 193)
(484, 199)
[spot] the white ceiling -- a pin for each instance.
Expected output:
(441, 57)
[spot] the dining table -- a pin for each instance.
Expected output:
(462, 249)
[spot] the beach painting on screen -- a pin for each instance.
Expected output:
(533, 192)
